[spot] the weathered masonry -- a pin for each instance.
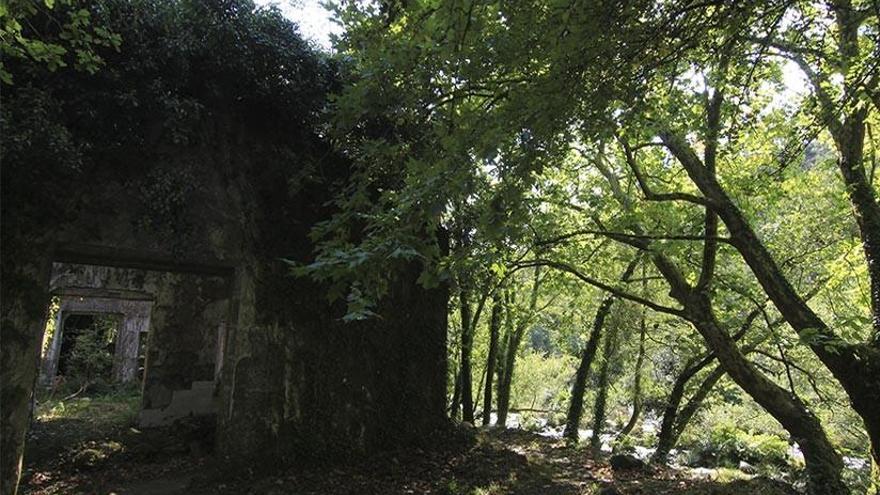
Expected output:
(132, 308)
(169, 189)
(230, 333)
(174, 318)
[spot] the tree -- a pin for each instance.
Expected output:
(517, 322)
(53, 34)
(637, 381)
(663, 89)
(492, 356)
(578, 387)
(609, 351)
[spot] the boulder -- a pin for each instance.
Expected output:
(747, 468)
(622, 462)
(609, 490)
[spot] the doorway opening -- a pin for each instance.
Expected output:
(88, 347)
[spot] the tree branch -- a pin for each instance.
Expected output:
(565, 267)
(615, 235)
(646, 189)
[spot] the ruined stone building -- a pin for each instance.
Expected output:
(177, 215)
(230, 333)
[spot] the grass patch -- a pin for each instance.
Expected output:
(118, 407)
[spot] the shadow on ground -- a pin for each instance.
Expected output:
(88, 456)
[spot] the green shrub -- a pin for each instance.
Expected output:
(91, 358)
(727, 445)
(530, 421)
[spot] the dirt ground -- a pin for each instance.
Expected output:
(93, 449)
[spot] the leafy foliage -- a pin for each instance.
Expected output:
(52, 33)
(91, 358)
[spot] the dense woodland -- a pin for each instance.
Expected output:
(658, 220)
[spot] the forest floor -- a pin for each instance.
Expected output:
(90, 447)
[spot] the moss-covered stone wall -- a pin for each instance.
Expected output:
(188, 313)
(294, 380)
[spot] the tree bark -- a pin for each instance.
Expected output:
(467, 340)
(25, 302)
(608, 351)
(578, 387)
(637, 382)
(494, 330)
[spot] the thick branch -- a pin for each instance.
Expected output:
(763, 266)
(646, 189)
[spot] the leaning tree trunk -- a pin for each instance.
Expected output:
(494, 329)
(599, 408)
(637, 382)
(24, 303)
(578, 387)
(855, 366)
(675, 421)
(823, 464)
(464, 374)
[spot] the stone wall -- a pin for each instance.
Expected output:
(294, 379)
(186, 315)
(299, 382)
(194, 182)
(134, 311)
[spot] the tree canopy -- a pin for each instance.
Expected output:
(557, 134)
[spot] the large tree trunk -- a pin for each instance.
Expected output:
(850, 143)
(494, 330)
(25, 301)
(599, 407)
(855, 366)
(464, 374)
